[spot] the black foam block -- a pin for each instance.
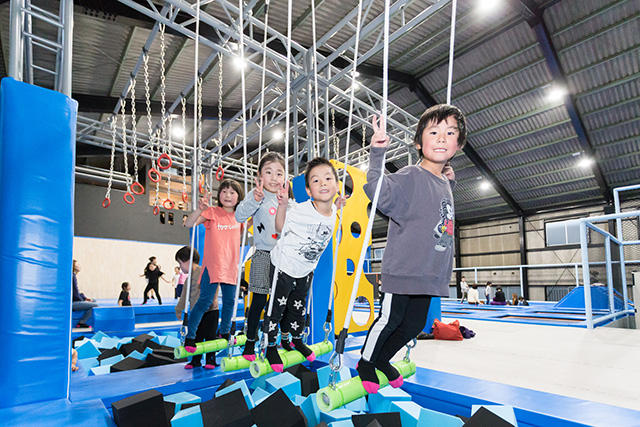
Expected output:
(226, 384)
(143, 409)
(374, 423)
(142, 338)
(170, 409)
(109, 352)
(80, 338)
(297, 369)
(485, 418)
(322, 424)
(152, 345)
(128, 364)
(278, 411)
(228, 410)
(308, 379)
(157, 360)
(165, 348)
(164, 353)
(127, 349)
(384, 419)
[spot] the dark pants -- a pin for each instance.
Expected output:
(153, 286)
(401, 319)
(207, 328)
(258, 302)
(178, 291)
(288, 305)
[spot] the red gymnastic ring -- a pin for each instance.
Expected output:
(168, 204)
(137, 188)
(220, 173)
(106, 202)
(154, 175)
(156, 210)
(164, 156)
(128, 197)
(185, 197)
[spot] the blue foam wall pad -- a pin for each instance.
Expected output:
(115, 319)
(37, 162)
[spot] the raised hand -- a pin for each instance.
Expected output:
(380, 137)
(283, 194)
(448, 171)
(203, 203)
(258, 192)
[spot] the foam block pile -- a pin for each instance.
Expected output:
(289, 400)
(102, 354)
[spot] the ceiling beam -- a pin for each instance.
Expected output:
(533, 15)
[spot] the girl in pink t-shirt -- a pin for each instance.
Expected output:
(221, 256)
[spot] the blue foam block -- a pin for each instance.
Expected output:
(87, 350)
(429, 418)
(358, 405)
(261, 382)
(503, 411)
(341, 423)
(190, 417)
(181, 398)
(137, 355)
(156, 339)
(381, 401)
(171, 341)
(161, 339)
(147, 350)
(100, 370)
(242, 386)
(99, 335)
(311, 410)
(409, 412)
(153, 334)
(89, 363)
(259, 395)
(336, 415)
(111, 360)
(80, 342)
(107, 342)
(285, 381)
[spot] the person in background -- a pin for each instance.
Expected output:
(522, 301)
(464, 288)
(487, 292)
(80, 301)
(178, 281)
(124, 300)
(153, 274)
(500, 298)
(514, 299)
(473, 296)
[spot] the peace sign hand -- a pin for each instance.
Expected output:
(203, 203)
(283, 194)
(380, 137)
(258, 192)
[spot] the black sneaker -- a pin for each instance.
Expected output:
(82, 325)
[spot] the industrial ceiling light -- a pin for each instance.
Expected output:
(485, 185)
(239, 62)
(177, 132)
(585, 162)
(556, 93)
(278, 134)
(488, 6)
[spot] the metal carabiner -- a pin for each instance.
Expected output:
(414, 342)
(335, 368)
(327, 330)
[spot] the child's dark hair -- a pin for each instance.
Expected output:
(438, 113)
(318, 161)
(184, 253)
(474, 286)
(124, 285)
(271, 156)
(234, 185)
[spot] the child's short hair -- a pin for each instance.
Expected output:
(318, 161)
(124, 285)
(271, 156)
(438, 113)
(184, 253)
(233, 184)
(474, 286)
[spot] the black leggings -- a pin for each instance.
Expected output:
(258, 302)
(153, 286)
(401, 319)
(208, 327)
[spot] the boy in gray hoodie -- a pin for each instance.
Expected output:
(418, 258)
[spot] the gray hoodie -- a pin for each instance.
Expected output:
(264, 218)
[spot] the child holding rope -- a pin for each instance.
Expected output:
(221, 256)
(261, 204)
(306, 230)
(418, 259)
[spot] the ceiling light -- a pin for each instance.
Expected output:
(233, 46)
(556, 93)
(585, 162)
(363, 166)
(488, 6)
(239, 62)
(278, 134)
(177, 132)
(355, 85)
(485, 185)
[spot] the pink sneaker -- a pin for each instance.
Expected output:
(397, 382)
(207, 366)
(277, 368)
(371, 388)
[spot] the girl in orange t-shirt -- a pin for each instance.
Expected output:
(221, 256)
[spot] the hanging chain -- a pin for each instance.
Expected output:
(184, 150)
(134, 129)
(148, 102)
(162, 88)
(220, 89)
(336, 140)
(113, 154)
(123, 120)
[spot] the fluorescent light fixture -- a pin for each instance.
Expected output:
(485, 185)
(177, 132)
(278, 134)
(585, 162)
(488, 6)
(239, 62)
(556, 93)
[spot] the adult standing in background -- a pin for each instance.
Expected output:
(153, 274)
(80, 301)
(464, 288)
